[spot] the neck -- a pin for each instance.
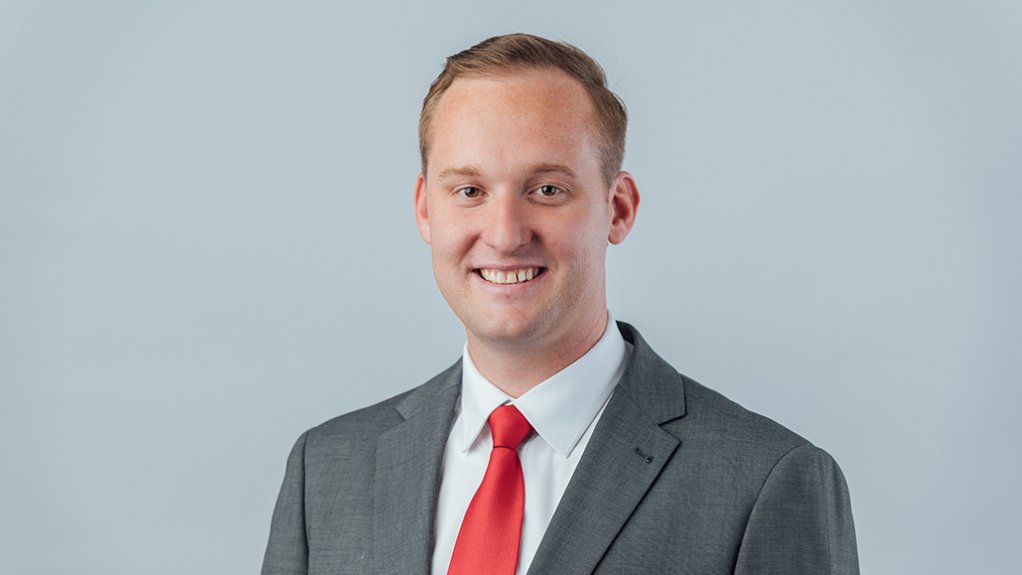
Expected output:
(515, 369)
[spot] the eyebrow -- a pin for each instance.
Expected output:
(473, 171)
(554, 168)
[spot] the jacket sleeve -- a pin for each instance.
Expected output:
(287, 552)
(801, 522)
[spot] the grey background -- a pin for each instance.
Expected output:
(207, 246)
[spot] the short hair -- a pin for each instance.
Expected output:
(503, 54)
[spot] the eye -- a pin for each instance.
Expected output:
(469, 192)
(548, 191)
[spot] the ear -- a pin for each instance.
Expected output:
(624, 202)
(422, 208)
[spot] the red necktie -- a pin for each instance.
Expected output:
(488, 539)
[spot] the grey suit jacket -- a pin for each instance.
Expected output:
(675, 479)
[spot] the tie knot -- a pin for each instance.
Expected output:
(508, 426)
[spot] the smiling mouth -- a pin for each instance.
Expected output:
(505, 277)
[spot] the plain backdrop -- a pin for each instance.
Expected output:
(207, 246)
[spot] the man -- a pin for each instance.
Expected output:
(560, 443)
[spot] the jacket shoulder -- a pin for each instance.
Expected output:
(364, 423)
(368, 423)
(732, 426)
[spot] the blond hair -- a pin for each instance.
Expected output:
(503, 54)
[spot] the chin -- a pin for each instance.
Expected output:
(507, 331)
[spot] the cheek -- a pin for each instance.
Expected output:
(585, 241)
(450, 242)
(594, 255)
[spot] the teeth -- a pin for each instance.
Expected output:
(509, 277)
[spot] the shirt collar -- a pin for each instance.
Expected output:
(559, 408)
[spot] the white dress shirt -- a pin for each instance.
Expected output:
(563, 410)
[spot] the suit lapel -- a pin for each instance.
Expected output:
(624, 456)
(408, 464)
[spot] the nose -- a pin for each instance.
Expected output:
(507, 224)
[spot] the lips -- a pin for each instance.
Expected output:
(512, 276)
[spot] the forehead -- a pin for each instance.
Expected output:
(543, 88)
(542, 110)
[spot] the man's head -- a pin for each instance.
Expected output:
(502, 55)
(518, 207)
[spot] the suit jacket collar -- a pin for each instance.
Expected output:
(653, 384)
(409, 458)
(625, 455)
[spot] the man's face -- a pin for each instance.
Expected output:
(517, 211)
